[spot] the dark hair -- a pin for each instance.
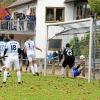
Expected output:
(1, 38)
(11, 36)
(67, 45)
(6, 40)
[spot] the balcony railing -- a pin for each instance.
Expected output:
(16, 25)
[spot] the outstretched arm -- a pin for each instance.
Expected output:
(5, 52)
(38, 49)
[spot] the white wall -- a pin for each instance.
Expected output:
(41, 25)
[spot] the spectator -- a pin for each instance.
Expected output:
(55, 56)
(8, 23)
(21, 21)
(60, 55)
(50, 58)
(31, 21)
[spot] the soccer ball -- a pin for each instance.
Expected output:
(82, 57)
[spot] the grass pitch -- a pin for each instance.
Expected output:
(48, 88)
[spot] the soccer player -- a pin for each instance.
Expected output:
(3, 42)
(29, 48)
(12, 49)
(68, 58)
(76, 70)
(2, 48)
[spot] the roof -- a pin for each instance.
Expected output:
(68, 1)
(20, 2)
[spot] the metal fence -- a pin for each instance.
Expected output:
(17, 25)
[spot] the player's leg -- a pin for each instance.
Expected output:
(4, 65)
(64, 64)
(7, 65)
(5, 75)
(31, 64)
(76, 70)
(35, 67)
(18, 69)
(27, 65)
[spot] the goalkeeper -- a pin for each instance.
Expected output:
(76, 70)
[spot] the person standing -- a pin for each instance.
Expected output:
(31, 21)
(29, 48)
(68, 59)
(13, 50)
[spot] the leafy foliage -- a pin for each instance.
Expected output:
(7, 2)
(95, 5)
(76, 46)
(80, 46)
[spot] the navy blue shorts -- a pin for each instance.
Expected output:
(75, 72)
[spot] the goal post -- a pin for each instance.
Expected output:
(68, 28)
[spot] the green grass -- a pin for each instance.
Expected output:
(48, 88)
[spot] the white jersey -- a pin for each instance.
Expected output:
(30, 47)
(2, 47)
(12, 48)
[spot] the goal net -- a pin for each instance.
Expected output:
(80, 34)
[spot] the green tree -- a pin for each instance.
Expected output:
(75, 43)
(7, 2)
(95, 5)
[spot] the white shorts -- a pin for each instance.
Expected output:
(12, 61)
(31, 57)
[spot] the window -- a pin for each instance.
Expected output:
(33, 10)
(54, 14)
(83, 11)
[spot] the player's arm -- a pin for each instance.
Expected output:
(38, 49)
(25, 50)
(5, 52)
(19, 51)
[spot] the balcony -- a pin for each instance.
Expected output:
(17, 27)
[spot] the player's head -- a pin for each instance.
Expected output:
(1, 37)
(82, 57)
(29, 38)
(11, 36)
(67, 45)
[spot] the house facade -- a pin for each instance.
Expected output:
(46, 11)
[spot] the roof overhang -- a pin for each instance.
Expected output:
(19, 3)
(70, 1)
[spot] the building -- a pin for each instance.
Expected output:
(46, 11)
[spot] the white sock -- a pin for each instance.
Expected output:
(5, 76)
(35, 68)
(19, 76)
(32, 70)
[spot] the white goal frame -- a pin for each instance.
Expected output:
(90, 43)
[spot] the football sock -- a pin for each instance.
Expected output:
(19, 76)
(5, 76)
(35, 68)
(32, 70)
